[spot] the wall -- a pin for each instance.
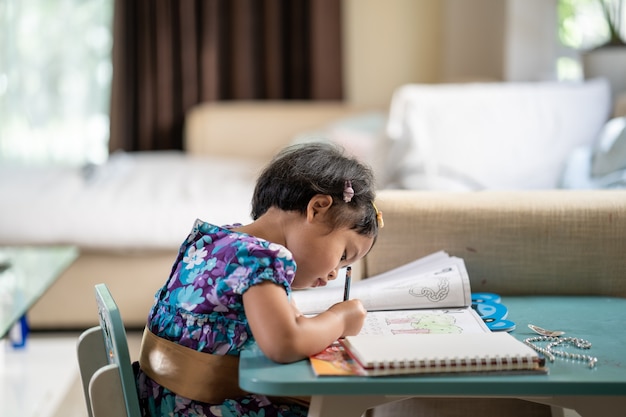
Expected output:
(388, 43)
(473, 41)
(532, 40)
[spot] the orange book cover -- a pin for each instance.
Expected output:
(334, 361)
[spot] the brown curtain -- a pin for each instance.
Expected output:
(171, 54)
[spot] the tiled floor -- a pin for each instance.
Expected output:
(42, 380)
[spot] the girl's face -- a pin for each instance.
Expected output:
(320, 252)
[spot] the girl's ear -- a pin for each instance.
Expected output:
(318, 207)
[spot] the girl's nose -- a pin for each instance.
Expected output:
(332, 274)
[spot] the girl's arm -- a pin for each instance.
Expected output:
(286, 336)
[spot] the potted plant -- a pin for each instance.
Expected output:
(608, 60)
(613, 12)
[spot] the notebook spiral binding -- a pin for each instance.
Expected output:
(454, 364)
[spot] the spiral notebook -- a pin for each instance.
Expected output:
(441, 353)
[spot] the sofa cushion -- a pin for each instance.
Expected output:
(143, 200)
(601, 164)
(609, 152)
(254, 129)
(492, 135)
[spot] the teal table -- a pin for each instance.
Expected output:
(591, 392)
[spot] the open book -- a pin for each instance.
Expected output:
(429, 296)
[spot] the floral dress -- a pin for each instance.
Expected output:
(201, 307)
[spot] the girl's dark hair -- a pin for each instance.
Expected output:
(299, 172)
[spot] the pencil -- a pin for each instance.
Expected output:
(346, 288)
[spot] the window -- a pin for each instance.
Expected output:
(55, 77)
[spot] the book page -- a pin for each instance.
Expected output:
(424, 321)
(335, 361)
(436, 281)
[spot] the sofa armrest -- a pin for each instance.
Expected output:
(254, 129)
(516, 243)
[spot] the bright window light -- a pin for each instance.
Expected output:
(55, 81)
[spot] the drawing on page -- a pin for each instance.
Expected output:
(427, 321)
(434, 295)
(423, 324)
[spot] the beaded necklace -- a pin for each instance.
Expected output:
(554, 345)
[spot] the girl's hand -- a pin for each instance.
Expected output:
(352, 314)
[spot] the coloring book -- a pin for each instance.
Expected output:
(430, 295)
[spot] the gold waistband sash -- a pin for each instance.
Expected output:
(195, 375)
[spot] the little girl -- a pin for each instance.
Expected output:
(230, 287)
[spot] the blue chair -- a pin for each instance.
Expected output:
(104, 361)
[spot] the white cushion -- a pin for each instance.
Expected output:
(609, 153)
(492, 135)
(145, 200)
(601, 164)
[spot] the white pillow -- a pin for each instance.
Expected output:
(577, 173)
(491, 135)
(609, 153)
(136, 201)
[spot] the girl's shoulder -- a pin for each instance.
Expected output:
(233, 255)
(224, 237)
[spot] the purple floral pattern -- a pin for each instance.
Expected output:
(201, 307)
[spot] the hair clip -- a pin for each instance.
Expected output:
(348, 191)
(379, 216)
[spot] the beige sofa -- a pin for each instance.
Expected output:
(562, 229)
(523, 242)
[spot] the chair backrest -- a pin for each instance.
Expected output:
(104, 362)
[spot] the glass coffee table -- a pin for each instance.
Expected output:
(25, 275)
